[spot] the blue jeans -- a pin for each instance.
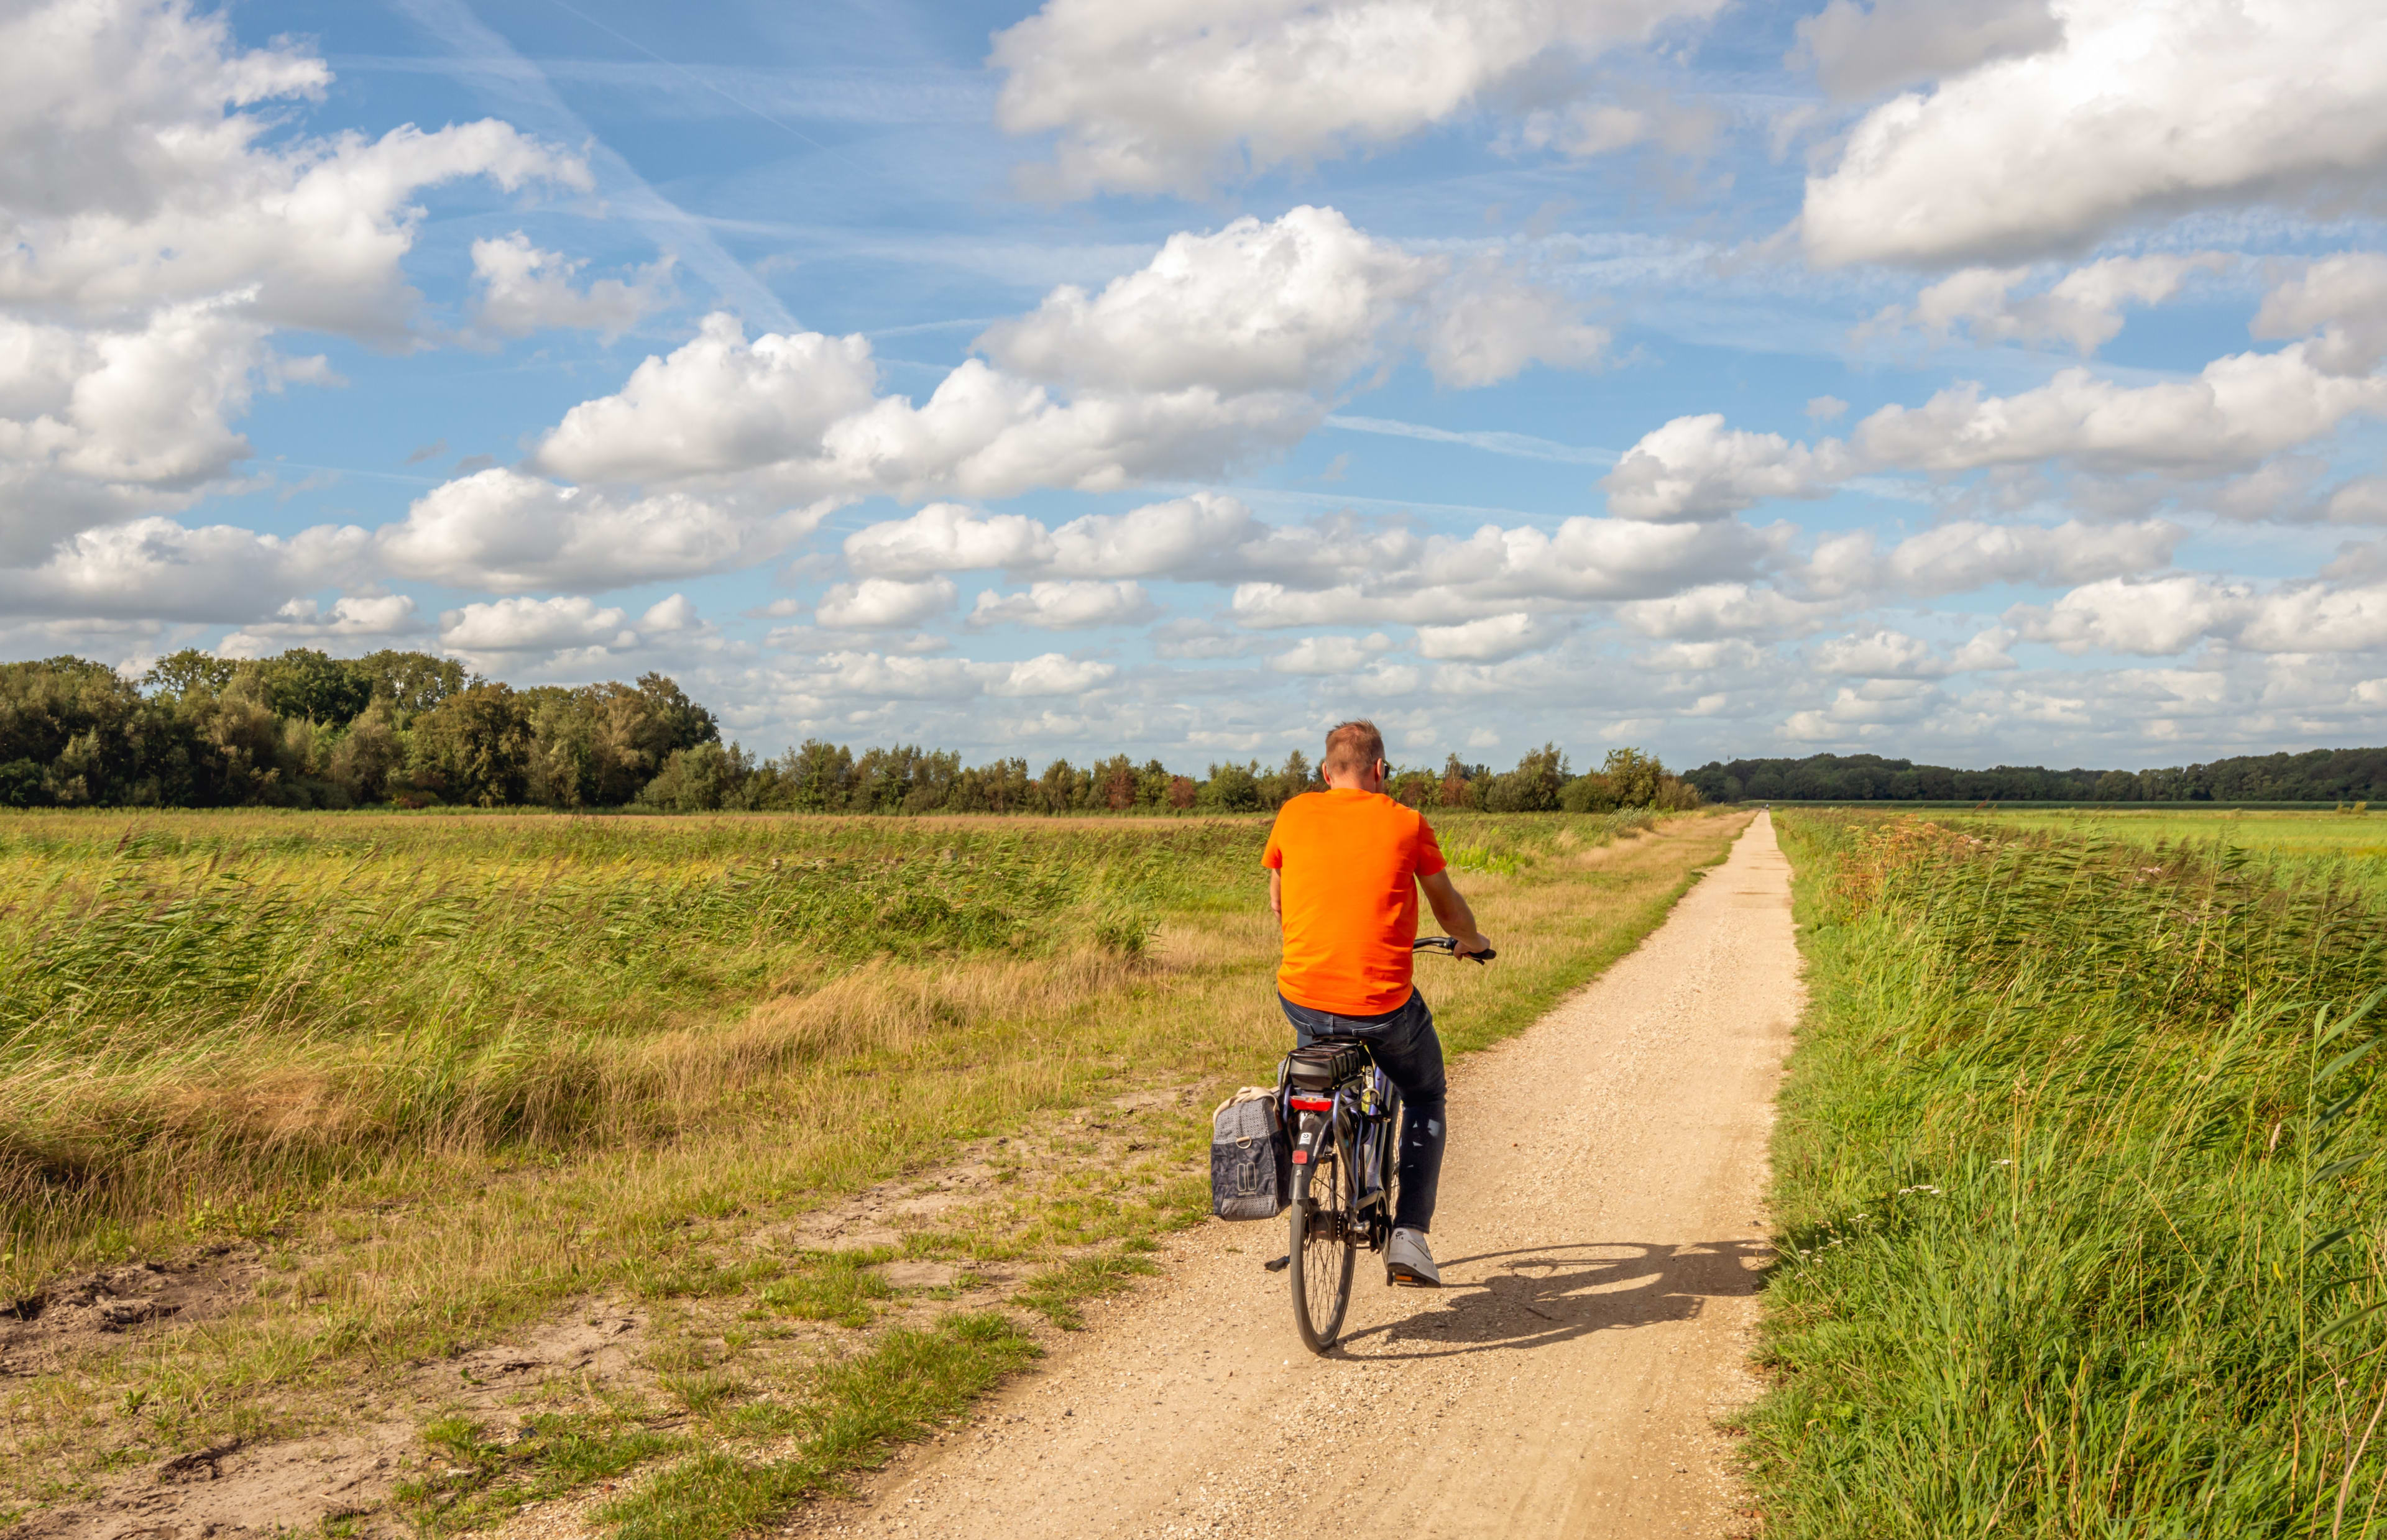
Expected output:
(1410, 1053)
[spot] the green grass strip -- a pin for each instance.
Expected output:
(1055, 1292)
(2080, 1164)
(485, 1481)
(899, 1391)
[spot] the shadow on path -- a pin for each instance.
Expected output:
(1537, 1295)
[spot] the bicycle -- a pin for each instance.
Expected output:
(1346, 1117)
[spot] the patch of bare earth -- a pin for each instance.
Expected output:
(238, 1487)
(44, 1331)
(232, 1489)
(597, 1349)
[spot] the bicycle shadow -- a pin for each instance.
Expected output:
(1537, 1295)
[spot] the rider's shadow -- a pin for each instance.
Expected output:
(1541, 1294)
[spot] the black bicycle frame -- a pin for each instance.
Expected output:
(1361, 1121)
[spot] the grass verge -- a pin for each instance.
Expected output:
(905, 1384)
(1028, 1126)
(2080, 1165)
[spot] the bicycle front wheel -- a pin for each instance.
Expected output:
(1325, 1244)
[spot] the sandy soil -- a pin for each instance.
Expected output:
(44, 1328)
(1600, 1234)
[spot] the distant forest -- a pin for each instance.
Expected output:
(2320, 776)
(406, 729)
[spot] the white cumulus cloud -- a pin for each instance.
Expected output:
(1216, 351)
(794, 413)
(1065, 606)
(2082, 309)
(135, 170)
(839, 680)
(1717, 610)
(1965, 554)
(1490, 639)
(885, 603)
(1046, 674)
(526, 289)
(2158, 618)
(1175, 95)
(1697, 468)
(2144, 107)
(523, 625)
(2319, 617)
(2228, 418)
(1298, 303)
(2344, 299)
(105, 422)
(666, 616)
(1890, 654)
(155, 568)
(1187, 536)
(718, 403)
(1444, 580)
(2235, 412)
(157, 227)
(1324, 655)
(1223, 348)
(1858, 50)
(502, 529)
(2153, 617)
(302, 622)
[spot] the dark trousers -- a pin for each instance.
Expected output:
(1407, 1047)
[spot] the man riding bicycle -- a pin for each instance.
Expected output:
(1345, 866)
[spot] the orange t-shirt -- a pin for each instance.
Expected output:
(1351, 860)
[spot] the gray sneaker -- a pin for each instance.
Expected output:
(1408, 1261)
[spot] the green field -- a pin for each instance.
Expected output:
(402, 1084)
(2080, 1167)
(2295, 848)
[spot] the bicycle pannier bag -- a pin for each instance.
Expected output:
(1251, 1159)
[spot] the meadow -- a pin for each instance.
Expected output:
(2079, 1180)
(407, 1085)
(2300, 847)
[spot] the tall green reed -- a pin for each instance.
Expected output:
(184, 1008)
(2084, 1222)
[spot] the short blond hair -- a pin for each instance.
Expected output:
(1352, 747)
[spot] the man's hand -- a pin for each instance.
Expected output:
(1472, 942)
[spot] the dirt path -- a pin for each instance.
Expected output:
(1599, 1233)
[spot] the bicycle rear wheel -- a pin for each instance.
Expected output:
(1325, 1244)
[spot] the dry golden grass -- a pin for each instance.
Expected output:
(717, 1126)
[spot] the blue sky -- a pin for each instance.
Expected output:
(1982, 383)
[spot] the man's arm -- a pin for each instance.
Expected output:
(1276, 894)
(1457, 920)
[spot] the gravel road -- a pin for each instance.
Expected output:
(1600, 1234)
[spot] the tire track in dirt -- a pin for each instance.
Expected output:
(1599, 1235)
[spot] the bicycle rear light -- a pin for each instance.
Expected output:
(1310, 1103)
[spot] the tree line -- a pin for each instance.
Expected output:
(826, 777)
(305, 729)
(2319, 776)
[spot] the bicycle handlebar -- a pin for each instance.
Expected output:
(1449, 945)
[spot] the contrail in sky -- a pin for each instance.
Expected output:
(533, 100)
